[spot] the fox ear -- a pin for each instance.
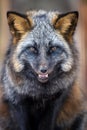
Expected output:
(19, 24)
(66, 24)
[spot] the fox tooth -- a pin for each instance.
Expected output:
(43, 75)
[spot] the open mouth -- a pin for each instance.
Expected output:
(43, 77)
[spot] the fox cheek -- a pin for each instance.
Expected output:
(17, 64)
(67, 65)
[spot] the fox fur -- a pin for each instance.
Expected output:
(39, 81)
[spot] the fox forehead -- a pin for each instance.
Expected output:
(43, 27)
(42, 33)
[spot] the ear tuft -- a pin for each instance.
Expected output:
(66, 24)
(18, 23)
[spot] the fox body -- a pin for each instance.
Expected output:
(39, 76)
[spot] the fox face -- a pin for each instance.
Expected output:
(42, 50)
(46, 57)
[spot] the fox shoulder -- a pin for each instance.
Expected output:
(5, 118)
(74, 107)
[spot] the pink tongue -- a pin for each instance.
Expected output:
(43, 75)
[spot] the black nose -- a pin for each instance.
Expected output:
(43, 70)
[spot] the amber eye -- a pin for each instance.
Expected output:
(33, 49)
(53, 49)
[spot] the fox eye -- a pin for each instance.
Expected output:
(52, 49)
(55, 49)
(33, 49)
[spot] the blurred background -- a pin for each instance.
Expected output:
(60, 5)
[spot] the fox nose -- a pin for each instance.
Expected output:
(43, 69)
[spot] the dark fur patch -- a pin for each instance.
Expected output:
(3, 106)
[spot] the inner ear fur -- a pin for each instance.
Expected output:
(66, 24)
(18, 23)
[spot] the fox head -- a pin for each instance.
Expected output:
(43, 42)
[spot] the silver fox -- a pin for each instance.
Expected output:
(39, 76)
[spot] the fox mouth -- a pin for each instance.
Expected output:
(43, 78)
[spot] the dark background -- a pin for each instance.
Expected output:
(60, 5)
